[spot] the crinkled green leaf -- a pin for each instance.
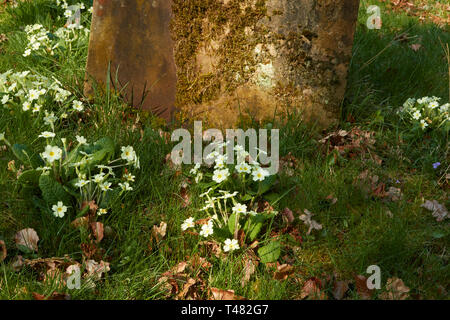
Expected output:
(270, 252)
(53, 191)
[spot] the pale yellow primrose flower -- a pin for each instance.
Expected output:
(129, 177)
(105, 186)
(98, 178)
(243, 168)
(188, 223)
(26, 106)
(125, 186)
(220, 175)
(47, 134)
(59, 209)
(207, 229)
(128, 154)
(102, 211)
(81, 140)
(78, 105)
(231, 245)
(52, 153)
(259, 174)
(240, 208)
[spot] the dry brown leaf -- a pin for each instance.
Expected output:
(219, 294)
(190, 282)
(28, 238)
(361, 287)
(96, 269)
(199, 262)
(288, 215)
(4, 251)
(283, 272)
(416, 46)
(439, 211)
(93, 207)
(175, 167)
(212, 247)
(17, 263)
(54, 296)
(311, 289)
(88, 249)
(394, 194)
(180, 267)
(80, 222)
(339, 289)
(307, 219)
(332, 199)
(395, 290)
(47, 268)
(159, 232)
(184, 194)
(249, 270)
(288, 164)
(166, 286)
(97, 230)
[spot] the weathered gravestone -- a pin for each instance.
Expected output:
(219, 60)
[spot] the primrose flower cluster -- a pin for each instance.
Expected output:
(42, 41)
(92, 182)
(218, 209)
(88, 172)
(246, 166)
(227, 209)
(426, 112)
(30, 93)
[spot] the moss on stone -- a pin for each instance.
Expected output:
(198, 22)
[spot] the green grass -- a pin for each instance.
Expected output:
(357, 230)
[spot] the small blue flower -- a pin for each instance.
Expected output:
(436, 165)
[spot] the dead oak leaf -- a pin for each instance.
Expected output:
(187, 286)
(339, 289)
(307, 219)
(438, 210)
(179, 268)
(288, 215)
(311, 289)
(93, 207)
(219, 294)
(4, 252)
(415, 46)
(80, 222)
(250, 264)
(159, 232)
(27, 238)
(54, 296)
(361, 287)
(395, 290)
(184, 195)
(17, 263)
(96, 269)
(394, 194)
(97, 230)
(283, 272)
